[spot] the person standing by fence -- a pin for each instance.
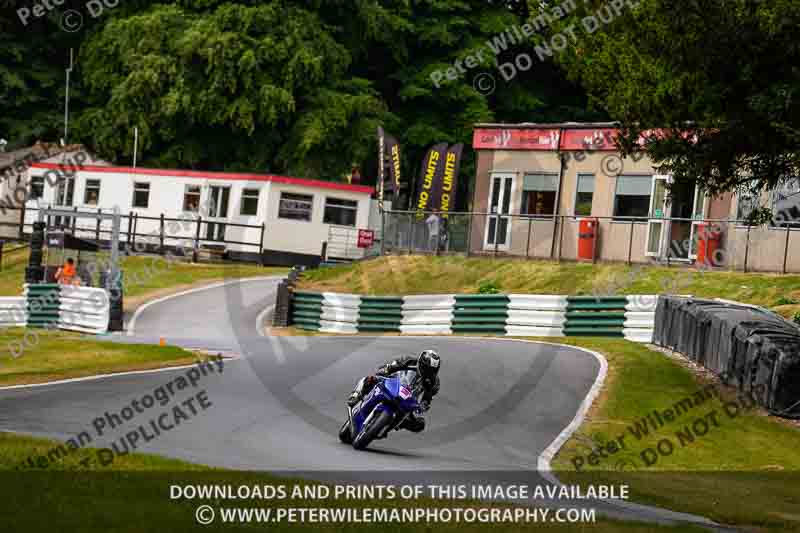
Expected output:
(433, 232)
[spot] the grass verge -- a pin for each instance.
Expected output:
(454, 274)
(47, 355)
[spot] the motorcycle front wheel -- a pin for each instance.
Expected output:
(344, 433)
(372, 430)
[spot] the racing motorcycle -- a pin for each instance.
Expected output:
(382, 410)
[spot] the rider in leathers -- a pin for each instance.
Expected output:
(425, 384)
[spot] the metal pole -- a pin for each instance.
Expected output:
(383, 232)
(97, 226)
(630, 240)
(560, 237)
(196, 239)
(115, 230)
(410, 233)
(22, 223)
(786, 250)
(161, 234)
(469, 234)
(66, 100)
(747, 248)
(528, 244)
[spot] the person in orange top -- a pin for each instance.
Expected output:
(66, 274)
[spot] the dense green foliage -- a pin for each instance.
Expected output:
(285, 86)
(725, 71)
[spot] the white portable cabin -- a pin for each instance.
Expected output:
(297, 214)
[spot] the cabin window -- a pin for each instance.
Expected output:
(191, 199)
(249, 202)
(340, 212)
(295, 206)
(141, 195)
(91, 196)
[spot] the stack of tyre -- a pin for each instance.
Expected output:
(750, 348)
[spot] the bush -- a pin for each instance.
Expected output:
(786, 301)
(488, 287)
(796, 318)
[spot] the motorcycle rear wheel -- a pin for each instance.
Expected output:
(372, 430)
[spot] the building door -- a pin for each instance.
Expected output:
(65, 191)
(700, 205)
(498, 226)
(656, 224)
(217, 212)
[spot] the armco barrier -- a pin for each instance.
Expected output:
(530, 315)
(749, 348)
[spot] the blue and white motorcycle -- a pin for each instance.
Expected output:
(383, 409)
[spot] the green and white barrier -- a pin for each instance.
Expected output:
(380, 313)
(49, 305)
(525, 315)
(13, 311)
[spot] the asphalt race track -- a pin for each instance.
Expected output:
(277, 405)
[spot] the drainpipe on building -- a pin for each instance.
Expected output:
(557, 221)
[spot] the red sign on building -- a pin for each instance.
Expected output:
(365, 238)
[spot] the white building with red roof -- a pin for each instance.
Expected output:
(284, 219)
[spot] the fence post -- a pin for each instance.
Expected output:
(747, 246)
(261, 243)
(630, 239)
(130, 225)
(97, 226)
(786, 249)
(74, 220)
(196, 239)
(135, 229)
(22, 222)
(383, 232)
(560, 237)
(410, 233)
(161, 234)
(528, 244)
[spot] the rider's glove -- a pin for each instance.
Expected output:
(426, 405)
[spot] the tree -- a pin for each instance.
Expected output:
(720, 78)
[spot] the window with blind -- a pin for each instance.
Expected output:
(539, 194)
(584, 195)
(632, 196)
(786, 204)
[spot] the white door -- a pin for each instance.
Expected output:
(657, 225)
(219, 197)
(498, 226)
(699, 206)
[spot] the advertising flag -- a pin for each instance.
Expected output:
(446, 196)
(430, 178)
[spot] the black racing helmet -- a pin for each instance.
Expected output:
(428, 364)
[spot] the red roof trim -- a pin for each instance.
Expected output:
(216, 175)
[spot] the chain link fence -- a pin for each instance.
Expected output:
(740, 245)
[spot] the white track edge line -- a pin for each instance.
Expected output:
(105, 376)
